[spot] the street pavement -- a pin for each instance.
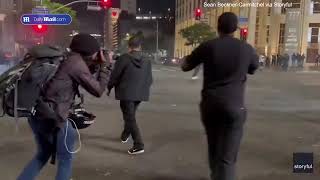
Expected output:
(284, 111)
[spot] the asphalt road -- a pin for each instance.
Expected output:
(284, 111)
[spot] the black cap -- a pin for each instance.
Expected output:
(84, 44)
(227, 23)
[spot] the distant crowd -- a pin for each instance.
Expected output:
(281, 61)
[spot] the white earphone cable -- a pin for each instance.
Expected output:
(66, 135)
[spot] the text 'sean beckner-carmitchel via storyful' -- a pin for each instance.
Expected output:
(221, 4)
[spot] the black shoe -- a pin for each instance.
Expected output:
(135, 151)
(124, 138)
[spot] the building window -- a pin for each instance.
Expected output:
(268, 33)
(257, 28)
(177, 15)
(314, 35)
(190, 10)
(269, 9)
(316, 7)
(256, 38)
(182, 12)
(281, 38)
(282, 33)
(185, 10)
(295, 4)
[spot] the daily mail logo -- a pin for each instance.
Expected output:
(302, 162)
(46, 19)
(26, 19)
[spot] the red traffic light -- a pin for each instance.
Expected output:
(40, 28)
(106, 4)
(245, 30)
(243, 33)
(198, 14)
(114, 14)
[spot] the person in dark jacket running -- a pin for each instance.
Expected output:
(226, 63)
(60, 94)
(132, 79)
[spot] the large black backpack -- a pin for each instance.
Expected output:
(21, 86)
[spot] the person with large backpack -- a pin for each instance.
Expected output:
(49, 122)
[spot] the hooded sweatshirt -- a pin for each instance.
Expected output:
(131, 77)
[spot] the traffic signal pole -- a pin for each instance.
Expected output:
(74, 2)
(157, 46)
(89, 1)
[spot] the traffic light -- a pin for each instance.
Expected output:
(198, 14)
(244, 34)
(40, 28)
(106, 4)
(114, 14)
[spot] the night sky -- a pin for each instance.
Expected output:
(92, 22)
(155, 6)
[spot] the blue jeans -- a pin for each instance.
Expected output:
(44, 143)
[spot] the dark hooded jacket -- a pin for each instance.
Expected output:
(131, 77)
(72, 73)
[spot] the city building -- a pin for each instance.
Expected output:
(24, 36)
(272, 29)
(7, 22)
(111, 28)
(129, 5)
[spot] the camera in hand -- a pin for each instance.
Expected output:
(114, 57)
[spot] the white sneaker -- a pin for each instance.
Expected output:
(125, 140)
(135, 151)
(195, 78)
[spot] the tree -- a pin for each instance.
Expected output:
(65, 10)
(197, 33)
(59, 35)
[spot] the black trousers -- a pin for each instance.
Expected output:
(129, 109)
(224, 129)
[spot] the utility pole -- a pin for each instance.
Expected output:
(157, 41)
(107, 31)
